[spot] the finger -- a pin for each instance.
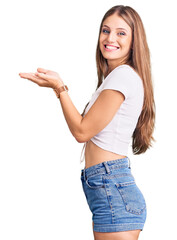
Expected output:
(42, 70)
(32, 77)
(25, 75)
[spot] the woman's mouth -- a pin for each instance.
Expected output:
(110, 48)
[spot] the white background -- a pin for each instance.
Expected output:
(41, 196)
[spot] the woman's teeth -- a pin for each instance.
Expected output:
(111, 47)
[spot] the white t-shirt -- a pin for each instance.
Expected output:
(116, 136)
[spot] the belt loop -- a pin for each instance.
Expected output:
(129, 163)
(106, 167)
(84, 174)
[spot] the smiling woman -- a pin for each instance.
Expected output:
(122, 108)
(115, 40)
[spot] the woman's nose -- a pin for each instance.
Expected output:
(111, 37)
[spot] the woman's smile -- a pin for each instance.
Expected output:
(110, 48)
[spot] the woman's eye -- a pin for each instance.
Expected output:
(105, 31)
(121, 33)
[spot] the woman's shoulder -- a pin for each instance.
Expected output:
(123, 72)
(125, 69)
(123, 78)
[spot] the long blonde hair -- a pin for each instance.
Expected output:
(139, 59)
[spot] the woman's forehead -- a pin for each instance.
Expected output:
(116, 22)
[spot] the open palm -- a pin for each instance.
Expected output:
(44, 78)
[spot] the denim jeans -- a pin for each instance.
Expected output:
(116, 202)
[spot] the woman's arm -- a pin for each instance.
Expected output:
(98, 116)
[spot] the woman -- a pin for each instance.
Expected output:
(121, 108)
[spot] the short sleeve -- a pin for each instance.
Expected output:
(122, 79)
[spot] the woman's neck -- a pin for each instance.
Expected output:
(113, 63)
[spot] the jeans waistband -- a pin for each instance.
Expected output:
(106, 167)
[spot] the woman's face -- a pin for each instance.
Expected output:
(115, 40)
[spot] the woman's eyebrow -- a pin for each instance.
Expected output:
(116, 28)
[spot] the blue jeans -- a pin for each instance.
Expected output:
(114, 199)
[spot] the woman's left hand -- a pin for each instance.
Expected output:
(44, 78)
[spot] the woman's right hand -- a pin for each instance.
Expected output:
(44, 78)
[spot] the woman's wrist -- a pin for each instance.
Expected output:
(59, 89)
(58, 84)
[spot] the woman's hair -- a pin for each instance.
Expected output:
(139, 59)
